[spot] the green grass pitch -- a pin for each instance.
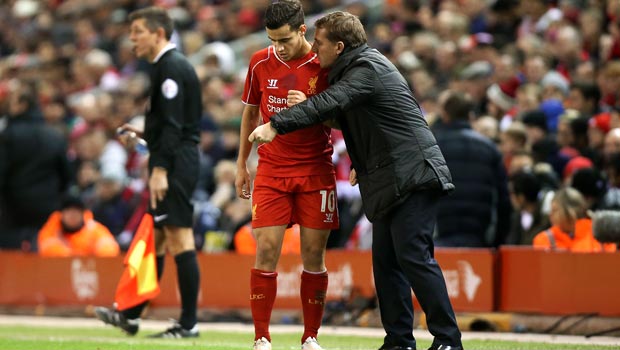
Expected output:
(106, 338)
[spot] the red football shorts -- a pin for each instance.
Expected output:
(309, 201)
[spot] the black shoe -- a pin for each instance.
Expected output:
(116, 319)
(395, 347)
(444, 347)
(177, 331)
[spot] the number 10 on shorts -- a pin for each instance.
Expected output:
(328, 200)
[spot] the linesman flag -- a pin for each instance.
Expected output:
(139, 280)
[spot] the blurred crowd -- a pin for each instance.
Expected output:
(533, 86)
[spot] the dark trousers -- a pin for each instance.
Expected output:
(403, 258)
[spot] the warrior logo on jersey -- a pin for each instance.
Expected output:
(272, 83)
(312, 85)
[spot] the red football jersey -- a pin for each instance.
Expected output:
(300, 153)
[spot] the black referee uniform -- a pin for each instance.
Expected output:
(172, 133)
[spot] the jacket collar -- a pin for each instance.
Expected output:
(347, 56)
(165, 49)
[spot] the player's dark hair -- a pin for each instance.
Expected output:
(343, 26)
(283, 12)
(154, 18)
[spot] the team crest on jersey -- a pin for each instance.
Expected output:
(312, 85)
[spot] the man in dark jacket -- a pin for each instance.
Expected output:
(400, 170)
(34, 170)
(477, 214)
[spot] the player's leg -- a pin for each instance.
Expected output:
(271, 213)
(313, 287)
(263, 278)
(316, 211)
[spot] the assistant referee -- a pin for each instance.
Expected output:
(172, 134)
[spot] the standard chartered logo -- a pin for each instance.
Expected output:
(276, 104)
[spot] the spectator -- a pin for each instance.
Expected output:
(535, 123)
(502, 101)
(72, 231)
(598, 127)
(487, 126)
(521, 160)
(511, 141)
(611, 144)
(572, 229)
(34, 170)
(466, 218)
(583, 97)
(110, 206)
(612, 171)
(592, 186)
(527, 218)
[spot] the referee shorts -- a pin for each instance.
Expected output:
(176, 208)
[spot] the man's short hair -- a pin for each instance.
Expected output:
(343, 26)
(283, 12)
(458, 106)
(154, 18)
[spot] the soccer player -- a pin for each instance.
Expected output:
(172, 134)
(295, 180)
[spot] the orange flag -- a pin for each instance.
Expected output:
(139, 280)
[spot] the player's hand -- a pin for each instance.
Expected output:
(353, 177)
(294, 97)
(263, 134)
(243, 183)
(158, 185)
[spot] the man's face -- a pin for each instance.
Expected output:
(288, 42)
(72, 218)
(144, 41)
(328, 51)
(575, 100)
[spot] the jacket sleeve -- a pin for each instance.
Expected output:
(172, 110)
(105, 244)
(356, 85)
(541, 241)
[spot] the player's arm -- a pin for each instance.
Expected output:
(295, 96)
(249, 121)
(356, 85)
